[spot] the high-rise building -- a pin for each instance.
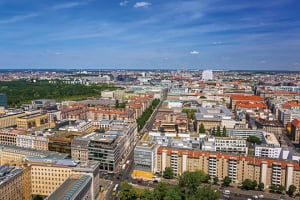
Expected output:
(207, 75)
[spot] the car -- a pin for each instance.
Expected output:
(261, 196)
(255, 197)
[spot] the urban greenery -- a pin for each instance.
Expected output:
(188, 188)
(292, 189)
(202, 128)
(277, 189)
(261, 186)
(168, 173)
(21, 92)
(226, 181)
(253, 139)
(120, 105)
(218, 132)
(216, 180)
(190, 113)
(141, 121)
(249, 184)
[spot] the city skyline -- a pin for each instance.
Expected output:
(230, 35)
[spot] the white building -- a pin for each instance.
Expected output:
(207, 75)
(267, 151)
(32, 142)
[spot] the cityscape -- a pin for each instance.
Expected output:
(149, 100)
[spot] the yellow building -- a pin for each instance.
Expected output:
(14, 153)
(8, 120)
(48, 174)
(34, 121)
(13, 184)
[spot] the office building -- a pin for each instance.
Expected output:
(10, 119)
(13, 183)
(207, 75)
(36, 121)
(76, 187)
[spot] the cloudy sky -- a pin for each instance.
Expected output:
(154, 34)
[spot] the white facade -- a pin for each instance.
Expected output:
(267, 151)
(207, 75)
(32, 142)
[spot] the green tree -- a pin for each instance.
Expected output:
(280, 189)
(253, 139)
(218, 131)
(127, 192)
(224, 132)
(147, 195)
(168, 173)
(202, 128)
(174, 193)
(249, 184)
(159, 191)
(213, 131)
(261, 186)
(117, 104)
(206, 193)
(291, 190)
(226, 181)
(216, 180)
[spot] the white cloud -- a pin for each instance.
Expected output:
(123, 3)
(217, 43)
(68, 5)
(18, 18)
(194, 52)
(141, 4)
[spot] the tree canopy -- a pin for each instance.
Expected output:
(21, 92)
(168, 173)
(188, 189)
(253, 139)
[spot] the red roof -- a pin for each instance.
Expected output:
(242, 97)
(251, 105)
(296, 123)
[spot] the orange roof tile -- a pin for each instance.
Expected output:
(242, 97)
(296, 123)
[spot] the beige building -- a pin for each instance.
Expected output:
(10, 154)
(237, 167)
(13, 185)
(9, 136)
(77, 186)
(34, 121)
(8, 120)
(48, 174)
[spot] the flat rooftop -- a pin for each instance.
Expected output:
(69, 188)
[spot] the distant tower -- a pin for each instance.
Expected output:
(207, 75)
(3, 100)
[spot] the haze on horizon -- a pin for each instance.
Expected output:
(150, 34)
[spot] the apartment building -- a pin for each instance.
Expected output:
(295, 130)
(241, 98)
(10, 119)
(32, 141)
(224, 144)
(36, 121)
(268, 151)
(12, 183)
(263, 170)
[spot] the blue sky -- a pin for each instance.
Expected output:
(151, 34)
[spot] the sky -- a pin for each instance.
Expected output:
(151, 34)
